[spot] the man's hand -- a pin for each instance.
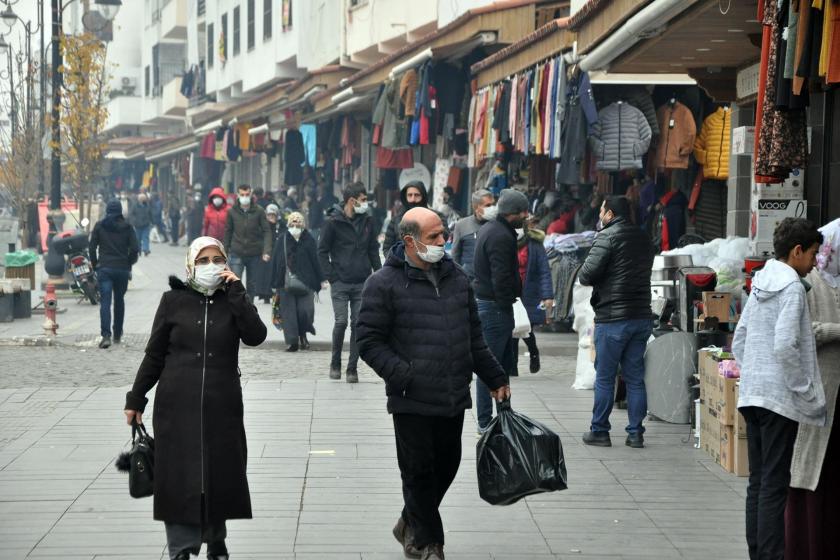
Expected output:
(502, 393)
(132, 415)
(266, 257)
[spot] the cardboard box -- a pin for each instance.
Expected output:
(719, 392)
(742, 459)
(717, 440)
(792, 188)
(766, 214)
(716, 304)
(743, 140)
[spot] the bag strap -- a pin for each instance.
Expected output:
(138, 427)
(286, 255)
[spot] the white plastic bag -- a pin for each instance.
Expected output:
(521, 323)
(585, 327)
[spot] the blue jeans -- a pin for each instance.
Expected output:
(497, 326)
(112, 281)
(251, 267)
(143, 237)
(621, 343)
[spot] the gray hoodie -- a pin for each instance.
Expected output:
(775, 348)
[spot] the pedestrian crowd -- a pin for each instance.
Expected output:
(426, 320)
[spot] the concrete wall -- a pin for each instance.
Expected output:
(320, 42)
(449, 11)
(387, 24)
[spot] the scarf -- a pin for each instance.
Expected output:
(828, 257)
(195, 248)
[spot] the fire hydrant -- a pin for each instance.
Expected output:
(50, 308)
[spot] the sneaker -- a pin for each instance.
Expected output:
(535, 363)
(598, 439)
(636, 441)
(433, 552)
(105, 342)
(352, 376)
(117, 339)
(335, 373)
(402, 532)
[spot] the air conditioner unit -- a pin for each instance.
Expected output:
(129, 82)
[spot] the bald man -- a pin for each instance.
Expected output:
(419, 331)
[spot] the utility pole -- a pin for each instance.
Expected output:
(55, 124)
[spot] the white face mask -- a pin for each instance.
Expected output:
(520, 233)
(490, 213)
(208, 276)
(245, 200)
(361, 208)
(432, 254)
(295, 231)
(217, 202)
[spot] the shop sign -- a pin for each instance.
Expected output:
(746, 81)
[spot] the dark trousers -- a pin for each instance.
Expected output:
(497, 326)
(112, 282)
(175, 229)
(429, 454)
(250, 266)
(343, 296)
(770, 439)
(620, 343)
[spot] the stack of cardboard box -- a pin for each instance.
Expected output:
(769, 205)
(722, 428)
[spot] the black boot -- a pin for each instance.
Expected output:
(535, 362)
(304, 343)
(292, 348)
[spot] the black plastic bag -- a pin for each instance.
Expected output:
(517, 457)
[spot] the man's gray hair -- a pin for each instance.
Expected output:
(409, 228)
(479, 195)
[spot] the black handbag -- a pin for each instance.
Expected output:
(139, 462)
(292, 284)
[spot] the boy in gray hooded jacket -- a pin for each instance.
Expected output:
(780, 381)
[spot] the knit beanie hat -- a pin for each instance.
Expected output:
(512, 202)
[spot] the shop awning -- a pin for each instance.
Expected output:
(180, 145)
(132, 147)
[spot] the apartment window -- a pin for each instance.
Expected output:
(210, 46)
(224, 38)
(251, 23)
(155, 70)
(201, 7)
(236, 31)
(267, 19)
(147, 87)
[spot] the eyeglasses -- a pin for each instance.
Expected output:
(214, 260)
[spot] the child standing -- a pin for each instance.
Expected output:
(780, 381)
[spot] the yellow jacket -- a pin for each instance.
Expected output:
(711, 148)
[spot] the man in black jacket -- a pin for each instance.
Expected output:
(248, 239)
(618, 269)
(348, 252)
(497, 285)
(113, 249)
(419, 330)
(412, 195)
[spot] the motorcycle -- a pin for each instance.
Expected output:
(75, 247)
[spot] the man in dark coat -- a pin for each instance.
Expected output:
(200, 446)
(618, 269)
(412, 195)
(141, 218)
(419, 330)
(497, 285)
(348, 251)
(248, 237)
(465, 232)
(113, 249)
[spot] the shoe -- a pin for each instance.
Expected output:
(217, 551)
(636, 441)
(402, 532)
(105, 342)
(352, 376)
(117, 339)
(292, 348)
(598, 439)
(433, 552)
(146, 253)
(535, 363)
(304, 343)
(335, 372)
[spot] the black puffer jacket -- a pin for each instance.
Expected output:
(425, 342)
(618, 269)
(348, 249)
(496, 263)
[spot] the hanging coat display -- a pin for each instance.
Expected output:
(620, 137)
(677, 131)
(581, 115)
(293, 158)
(711, 148)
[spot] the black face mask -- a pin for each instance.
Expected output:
(518, 223)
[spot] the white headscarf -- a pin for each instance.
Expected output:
(828, 257)
(192, 253)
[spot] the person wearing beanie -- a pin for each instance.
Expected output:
(113, 249)
(497, 285)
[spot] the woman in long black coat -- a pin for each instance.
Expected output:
(297, 249)
(200, 449)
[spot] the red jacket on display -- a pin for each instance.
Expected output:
(215, 218)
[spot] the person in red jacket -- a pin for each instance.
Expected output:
(215, 214)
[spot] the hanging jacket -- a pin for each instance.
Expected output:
(215, 218)
(581, 116)
(620, 138)
(711, 148)
(676, 136)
